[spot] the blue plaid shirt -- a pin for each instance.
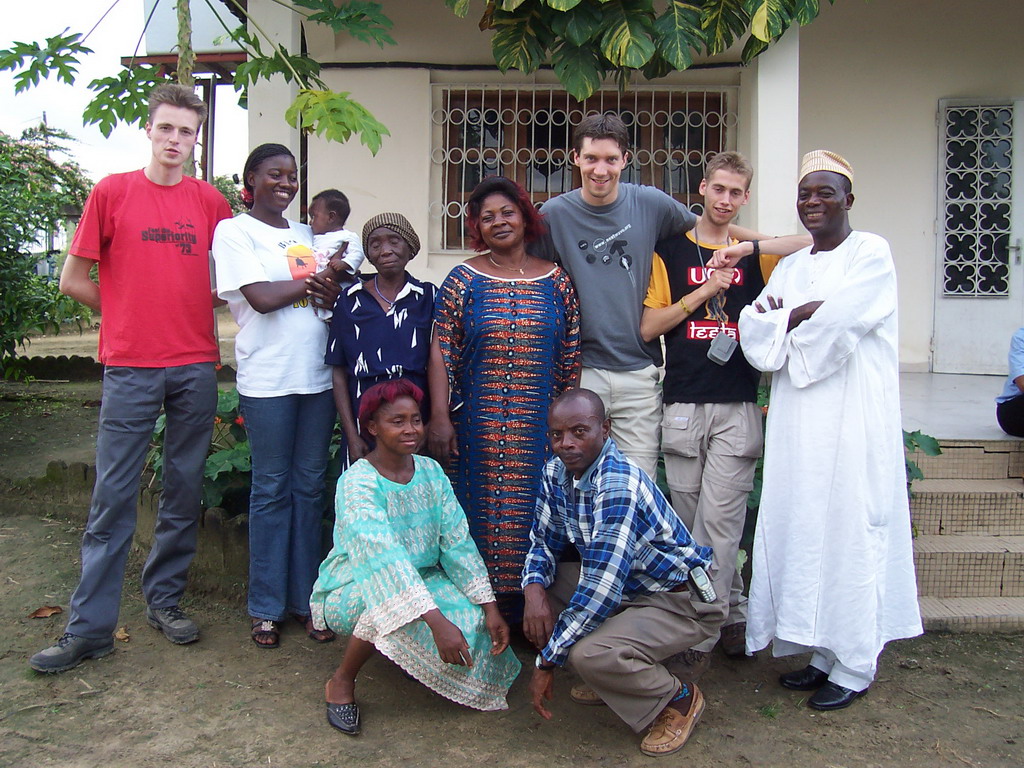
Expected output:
(630, 541)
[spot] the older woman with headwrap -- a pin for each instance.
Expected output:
(381, 325)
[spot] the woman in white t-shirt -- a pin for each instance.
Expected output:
(267, 274)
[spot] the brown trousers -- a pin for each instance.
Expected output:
(621, 659)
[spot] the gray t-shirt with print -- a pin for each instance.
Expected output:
(608, 251)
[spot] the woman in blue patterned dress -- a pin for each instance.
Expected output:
(404, 577)
(506, 343)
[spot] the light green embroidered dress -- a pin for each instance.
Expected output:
(400, 551)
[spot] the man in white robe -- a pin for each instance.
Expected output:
(833, 569)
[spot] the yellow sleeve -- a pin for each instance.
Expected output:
(658, 292)
(768, 263)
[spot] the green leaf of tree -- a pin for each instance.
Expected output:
(365, 21)
(563, 5)
(578, 69)
(678, 35)
(37, 62)
(752, 49)
(458, 7)
(806, 11)
(627, 40)
(579, 26)
(336, 117)
(722, 22)
(769, 18)
(515, 45)
(123, 97)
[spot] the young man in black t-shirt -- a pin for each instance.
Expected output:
(711, 426)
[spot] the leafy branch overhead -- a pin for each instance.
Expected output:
(585, 41)
(122, 96)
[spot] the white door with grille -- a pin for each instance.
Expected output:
(980, 278)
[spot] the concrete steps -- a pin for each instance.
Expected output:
(968, 516)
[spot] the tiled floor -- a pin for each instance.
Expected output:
(951, 406)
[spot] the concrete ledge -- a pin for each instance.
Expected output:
(970, 566)
(979, 507)
(973, 614)
(222, 557)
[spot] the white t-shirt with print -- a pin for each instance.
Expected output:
(281, 352)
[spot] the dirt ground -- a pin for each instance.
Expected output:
(940, 700)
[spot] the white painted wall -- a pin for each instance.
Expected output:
(871, 76)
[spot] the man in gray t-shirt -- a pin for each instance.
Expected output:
(604, 234)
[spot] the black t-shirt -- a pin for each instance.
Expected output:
(690, 377)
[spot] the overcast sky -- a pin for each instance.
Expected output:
(116, 36)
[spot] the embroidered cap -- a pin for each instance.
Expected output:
(823, 160)
(396, 222)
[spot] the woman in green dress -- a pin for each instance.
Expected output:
(404, 577)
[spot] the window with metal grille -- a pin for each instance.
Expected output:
(978, 161)
(525, 133)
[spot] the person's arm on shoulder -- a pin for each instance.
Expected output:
(779, 246)
(76, 283)
(675, 218)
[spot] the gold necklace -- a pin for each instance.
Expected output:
(521, 269)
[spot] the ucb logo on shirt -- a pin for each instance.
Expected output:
(699, 276)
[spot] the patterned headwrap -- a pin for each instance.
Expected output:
(396, 222)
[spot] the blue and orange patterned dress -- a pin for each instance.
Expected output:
(510, 347)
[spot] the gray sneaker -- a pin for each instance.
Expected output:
(176, 626)
(70, 651)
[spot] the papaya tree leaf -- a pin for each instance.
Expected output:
(336, 117)
(123, 97)
(59, 56)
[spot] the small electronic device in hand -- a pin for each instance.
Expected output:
(721, 349)
(701, 584)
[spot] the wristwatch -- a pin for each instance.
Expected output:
(541, 663)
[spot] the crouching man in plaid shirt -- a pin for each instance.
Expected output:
(625, 607)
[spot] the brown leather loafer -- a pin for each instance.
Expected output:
(671, 729)
(585, 695)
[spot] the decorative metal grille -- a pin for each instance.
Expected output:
(978, 164)
(525, 133)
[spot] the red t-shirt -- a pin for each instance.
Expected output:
(152, 243)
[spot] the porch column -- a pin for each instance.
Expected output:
(770, 107)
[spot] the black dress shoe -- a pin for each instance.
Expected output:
(344, 717)
(807, 679)
(831, 696)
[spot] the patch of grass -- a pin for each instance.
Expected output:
(770, 711)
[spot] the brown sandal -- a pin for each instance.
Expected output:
(316, 635)
(265, 630)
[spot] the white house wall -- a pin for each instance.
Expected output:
(871, 76)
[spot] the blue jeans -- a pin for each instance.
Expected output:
(289, 437)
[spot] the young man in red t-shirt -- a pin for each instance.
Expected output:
(149, 231)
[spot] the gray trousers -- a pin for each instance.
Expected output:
(621, 659)
(711, 450)
(132, 399)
